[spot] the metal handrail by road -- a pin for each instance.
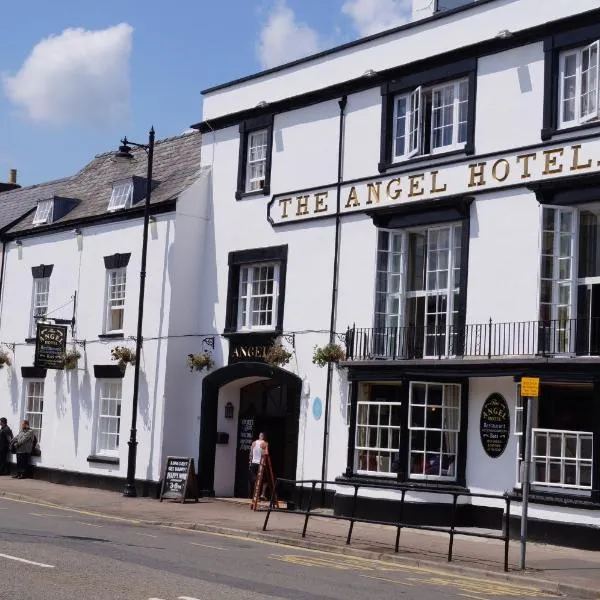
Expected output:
(311, 485)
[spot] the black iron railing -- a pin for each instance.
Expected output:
(312, 487)
(483, 340)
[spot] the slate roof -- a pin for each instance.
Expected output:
(176, 166)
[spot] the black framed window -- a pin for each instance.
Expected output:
(256, 289)
(409, 431)
(254, 167)
(429, 113)
(571, 80)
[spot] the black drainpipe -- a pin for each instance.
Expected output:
(334, 293)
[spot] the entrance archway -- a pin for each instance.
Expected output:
(269, 378)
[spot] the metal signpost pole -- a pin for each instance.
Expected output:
(526, 480)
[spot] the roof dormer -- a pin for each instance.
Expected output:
(50, 210)
(44, 212)
(127, 192)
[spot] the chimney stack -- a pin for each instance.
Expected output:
(12, 182)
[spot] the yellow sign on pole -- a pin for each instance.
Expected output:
(530, 387)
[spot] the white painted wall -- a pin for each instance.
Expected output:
(418, 42)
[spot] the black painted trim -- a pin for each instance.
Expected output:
(247, 127)
(209, 413)
(255, 255)
(117, 261)
(403, 476)
(105, 460)
(42, 271)
(33, 372)
(352, 428)
(595, 418)
(130, 214)
(111, 336)
(108, 372)
(553, 46)
(568, 190)
(404, 84)
(30, 340)
(424, 212)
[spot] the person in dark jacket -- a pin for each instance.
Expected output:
(23, 443)
(6, 436)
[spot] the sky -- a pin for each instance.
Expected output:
(78, 75)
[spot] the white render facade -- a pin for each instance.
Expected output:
(77, 264)
(427, 198)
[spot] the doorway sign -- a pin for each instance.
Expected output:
(494, 425)
(179, 480)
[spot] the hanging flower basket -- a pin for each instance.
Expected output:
(5, 358)
(198, 362)
(331, 353)
(276, 355)
(70, 359)
(124, 356)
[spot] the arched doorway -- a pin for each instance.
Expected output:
(267, 398)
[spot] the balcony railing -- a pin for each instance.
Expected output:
(579, 337)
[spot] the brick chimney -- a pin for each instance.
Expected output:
(12, 182)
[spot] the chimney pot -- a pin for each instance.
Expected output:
(12, 176)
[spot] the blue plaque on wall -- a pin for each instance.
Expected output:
(317, 408)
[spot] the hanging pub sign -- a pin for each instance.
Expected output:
(179, 480)
(50, 346)
(494, 425)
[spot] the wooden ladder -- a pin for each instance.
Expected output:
(265, 464)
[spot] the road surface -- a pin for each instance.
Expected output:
(62, 554)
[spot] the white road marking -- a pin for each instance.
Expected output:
(89, 524)
(187, 598)
(29, 562)
(43, 515)
(207, 546)
(145, 535)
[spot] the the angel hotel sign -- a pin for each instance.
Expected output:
(475, 175)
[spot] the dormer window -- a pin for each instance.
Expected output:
(122, 195)
(43, 213)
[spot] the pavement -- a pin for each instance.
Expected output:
(553, 569)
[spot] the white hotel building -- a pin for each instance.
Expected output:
(429, 196)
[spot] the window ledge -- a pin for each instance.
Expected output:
(30, 340)
(421, 485)
(253, 333)
(111, 336)
(105, 460)
(550, 132)
(556, 499)
(428, 158)
(242, 195)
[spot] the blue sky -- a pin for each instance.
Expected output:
(77, 75)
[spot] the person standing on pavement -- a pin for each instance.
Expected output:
(259, 448)
(23, 444)
(6, 436)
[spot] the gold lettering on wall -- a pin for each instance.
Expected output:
(302, 205)
(434, 184)
(320, 205)
(284, 203)
(353, 198)
(551, 157)
(393, 195)
(576, 165)
(477, 174)
(525, 159)
(373, 192)
(500, 169)
(415, 185)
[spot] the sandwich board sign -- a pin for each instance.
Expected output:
(179, 480)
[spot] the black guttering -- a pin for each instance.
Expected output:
(334, 286)
(125, 215)
(491, 46)
(364, 40)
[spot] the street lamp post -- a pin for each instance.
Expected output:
(125, 153)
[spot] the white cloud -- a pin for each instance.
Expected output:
(282, 39)
(78, 76)
(372, 16)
